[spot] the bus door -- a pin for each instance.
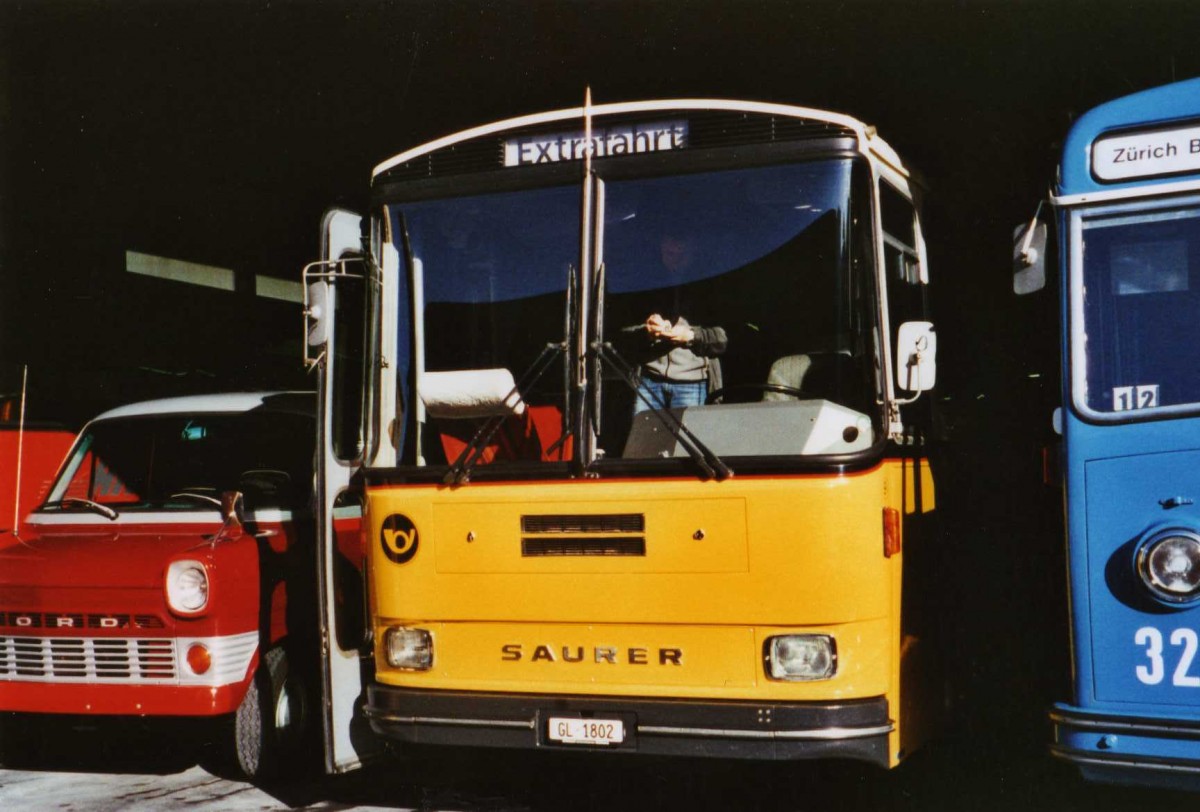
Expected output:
(339, 296)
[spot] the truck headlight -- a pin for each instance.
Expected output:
(801, 657)
(187, 587)
(1169, 564)
(410, 649)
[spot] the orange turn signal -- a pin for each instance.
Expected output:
(198, 658)
(891, 532)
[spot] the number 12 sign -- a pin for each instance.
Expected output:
(1126, 398)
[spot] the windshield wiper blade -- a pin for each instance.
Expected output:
(460, 471)
(95, 507)
(708, 461)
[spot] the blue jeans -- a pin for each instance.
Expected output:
(674, 394)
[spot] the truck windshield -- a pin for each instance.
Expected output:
(1139, 295)
(758, 278)
(173, 462)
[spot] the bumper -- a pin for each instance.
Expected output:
(852, 729)
(1129, 750)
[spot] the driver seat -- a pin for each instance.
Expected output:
(787, 371)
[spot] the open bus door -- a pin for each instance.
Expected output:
(339, 297)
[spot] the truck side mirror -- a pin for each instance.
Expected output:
(916, 356)
(1029, 257)
(316, 317)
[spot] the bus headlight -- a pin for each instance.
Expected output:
(187, 587)
(801, 657)
(1170, 566)
(410, 649)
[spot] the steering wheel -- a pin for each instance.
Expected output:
(718, 395)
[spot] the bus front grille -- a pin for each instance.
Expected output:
(584, 523)
(598, 546)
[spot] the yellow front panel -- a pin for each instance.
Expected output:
(752, 551)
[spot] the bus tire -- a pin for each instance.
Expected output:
(268, 724)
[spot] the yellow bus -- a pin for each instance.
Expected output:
(630, 396)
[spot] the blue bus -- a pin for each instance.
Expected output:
(1127, 209)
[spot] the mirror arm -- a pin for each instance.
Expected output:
(1029, 254)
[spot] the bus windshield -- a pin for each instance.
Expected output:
(740, 300)
(1140, 293)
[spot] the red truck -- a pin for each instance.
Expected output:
(169, 572)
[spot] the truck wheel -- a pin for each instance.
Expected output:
(269, 723)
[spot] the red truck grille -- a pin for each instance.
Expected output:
(89, 659)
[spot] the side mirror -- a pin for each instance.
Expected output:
(916, 356)
(1029, 257)
(316, 319)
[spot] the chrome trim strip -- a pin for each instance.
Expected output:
(438, 720)
(1123, 726)
(202, 515)
(1110, 195)
(1076, 757)
(822, 734)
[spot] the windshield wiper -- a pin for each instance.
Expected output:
(460, 471)
(707, 459)
(95, 507)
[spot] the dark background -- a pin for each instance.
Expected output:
(217, 132)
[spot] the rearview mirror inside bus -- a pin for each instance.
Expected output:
(1029, 257)
(916, 356)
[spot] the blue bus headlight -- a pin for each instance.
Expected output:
(1169, 564)
(800, 657)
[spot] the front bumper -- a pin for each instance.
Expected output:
(1130, 750)
(853, 729)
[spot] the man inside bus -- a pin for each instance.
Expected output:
(677, 360)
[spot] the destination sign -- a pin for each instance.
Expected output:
(621, 139)
(1147, 154)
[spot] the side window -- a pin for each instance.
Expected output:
(904, 278)
(350, 368)
(906, 292)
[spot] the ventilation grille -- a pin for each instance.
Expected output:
(584, 523)
(535, 547)
(65, 659)
(706, 129)
(578, 534)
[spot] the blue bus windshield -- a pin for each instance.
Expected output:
(1141, 294)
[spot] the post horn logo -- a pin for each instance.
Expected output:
(399, 537)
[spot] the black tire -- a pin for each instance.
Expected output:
(268, 725)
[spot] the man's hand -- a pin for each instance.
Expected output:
(660, 328)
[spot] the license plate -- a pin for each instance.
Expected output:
(569, 730)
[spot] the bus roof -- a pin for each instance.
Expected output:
(229, 402)
(1149, 114)
(869, 141)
